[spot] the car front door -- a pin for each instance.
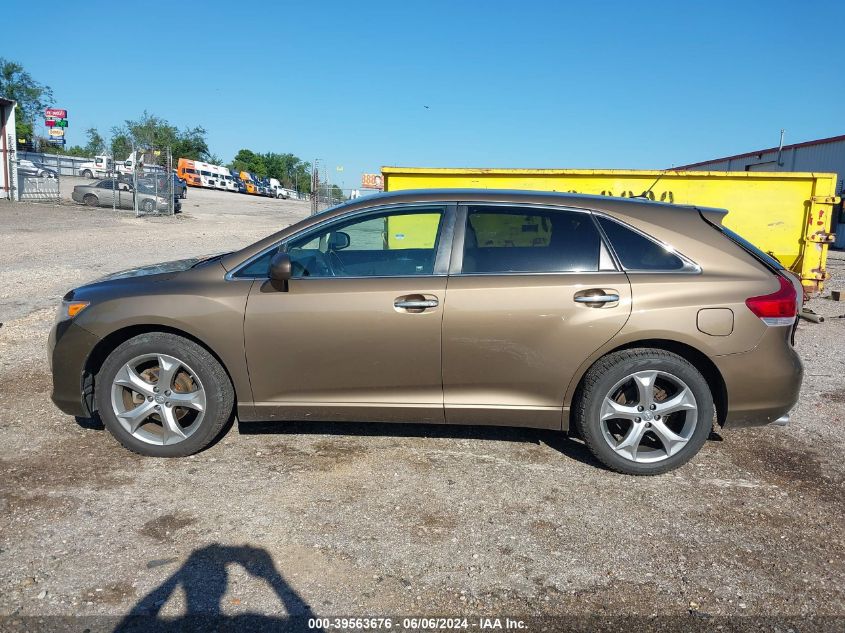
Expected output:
(532, 292)
(356, 334)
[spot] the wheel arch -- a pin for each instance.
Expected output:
(689, 353)
(109, 343)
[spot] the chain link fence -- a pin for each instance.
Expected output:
(153, 181)
(35, 181)
(143, 182)
(324, 194)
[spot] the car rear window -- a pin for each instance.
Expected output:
(753, 250)
(638, 252)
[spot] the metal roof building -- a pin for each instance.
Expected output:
(825, 155)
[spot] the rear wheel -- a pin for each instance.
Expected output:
(91, 200)
(644, 411)
(164, 396)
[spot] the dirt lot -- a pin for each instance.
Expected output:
(335, 519)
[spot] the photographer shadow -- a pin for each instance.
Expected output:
(204, 578)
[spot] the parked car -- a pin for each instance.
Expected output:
(33, 168)
(632, 324)
(159, 182)
(115, 192)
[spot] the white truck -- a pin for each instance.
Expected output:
(277, 189)
(100, 167)
(129, 165)
(104, 167)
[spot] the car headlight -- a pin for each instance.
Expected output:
(70, 309)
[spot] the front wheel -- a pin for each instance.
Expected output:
(162, 395)
(148, 206)
(644, 411)
(87, 174)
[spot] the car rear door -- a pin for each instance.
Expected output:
(356, 334)
(532, 292)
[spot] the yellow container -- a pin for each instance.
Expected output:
(418, 230)
(786, 214)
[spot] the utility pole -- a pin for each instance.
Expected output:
(315, 187)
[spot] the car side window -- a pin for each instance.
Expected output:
(530, 240)
(393, 243)
(638, 252)
(388, 244)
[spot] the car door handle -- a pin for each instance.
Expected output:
(596, 298)
(416, 304)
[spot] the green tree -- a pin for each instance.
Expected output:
(287, 168)
(191, 143)
(96, 144)
(153, 132)
(337, 195)
(32, 96)
(121, 144)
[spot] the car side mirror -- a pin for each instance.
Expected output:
(338, 241)
(280, 269)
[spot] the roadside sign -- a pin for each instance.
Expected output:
(50, 122)
(56, 141)
(57, 113)
(57, 131)
(61, 122)
(371, 181)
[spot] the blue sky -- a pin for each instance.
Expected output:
(507, 84)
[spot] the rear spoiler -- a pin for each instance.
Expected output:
(713, 215)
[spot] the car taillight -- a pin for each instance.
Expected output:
(778, 308)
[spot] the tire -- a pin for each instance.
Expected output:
(208, 377)
(87, 174)
(148, 206)
(686, 398)
(90, 200)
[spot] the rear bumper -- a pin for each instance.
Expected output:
(762, 384)
(68, 349)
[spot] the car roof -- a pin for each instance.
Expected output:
(497, 195)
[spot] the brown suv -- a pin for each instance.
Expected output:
(631, 323)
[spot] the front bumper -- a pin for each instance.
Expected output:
(68, 349)
(762, 384)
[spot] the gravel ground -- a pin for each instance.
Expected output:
(335, 519)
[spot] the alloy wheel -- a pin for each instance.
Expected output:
(648, 416)
(158, 399)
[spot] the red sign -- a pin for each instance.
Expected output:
(55, 113)
(371, 181)
(50, 122)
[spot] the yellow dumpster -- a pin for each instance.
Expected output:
(786, 214)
